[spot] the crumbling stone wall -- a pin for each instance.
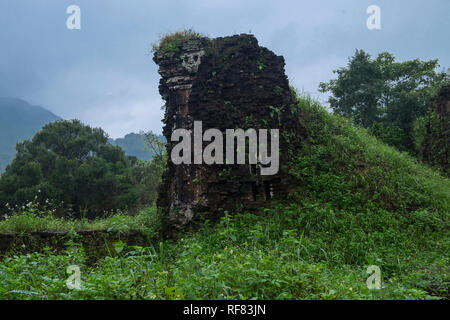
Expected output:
(227, 83)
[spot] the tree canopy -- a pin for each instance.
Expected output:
(384, 95)
(71, 166)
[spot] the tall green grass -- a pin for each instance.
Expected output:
(359, 203)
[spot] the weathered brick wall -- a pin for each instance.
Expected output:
(436, 144)
(227, 83)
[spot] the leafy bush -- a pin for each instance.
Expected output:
(434, 145)
(385, 95)
(33, 219)
(276, 255)
(170, 42)
(147, 174)
(361, 203)
(71, 166)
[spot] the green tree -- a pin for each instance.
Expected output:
(72, 166)
(147, 174)
(384, 95)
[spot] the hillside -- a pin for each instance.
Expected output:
(360, 203)
(134, 145)
(19, 121)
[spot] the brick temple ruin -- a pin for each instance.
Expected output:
(226, 83)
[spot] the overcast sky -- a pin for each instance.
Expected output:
(103, 75)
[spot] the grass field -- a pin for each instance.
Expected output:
(361, 203)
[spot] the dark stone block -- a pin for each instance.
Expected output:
(234, 83)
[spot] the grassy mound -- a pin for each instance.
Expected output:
(360, 203)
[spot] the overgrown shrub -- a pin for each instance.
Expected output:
(72, 167)
(360, 203)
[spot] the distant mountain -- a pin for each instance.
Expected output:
(19, 120)
(134, 145)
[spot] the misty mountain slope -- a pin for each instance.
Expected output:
(133, 144)
(19, 120)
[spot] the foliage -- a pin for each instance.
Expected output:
(356, 166)
(147, 177)
(385, 95)
(147, 174)
(170, 42)
(360, 203)
(70, 166)
(19, 121)
(419, 132)
(285, 253)
(154, 142)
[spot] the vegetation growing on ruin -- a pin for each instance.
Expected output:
(32, 219)
(386, 96)
(361, 203)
